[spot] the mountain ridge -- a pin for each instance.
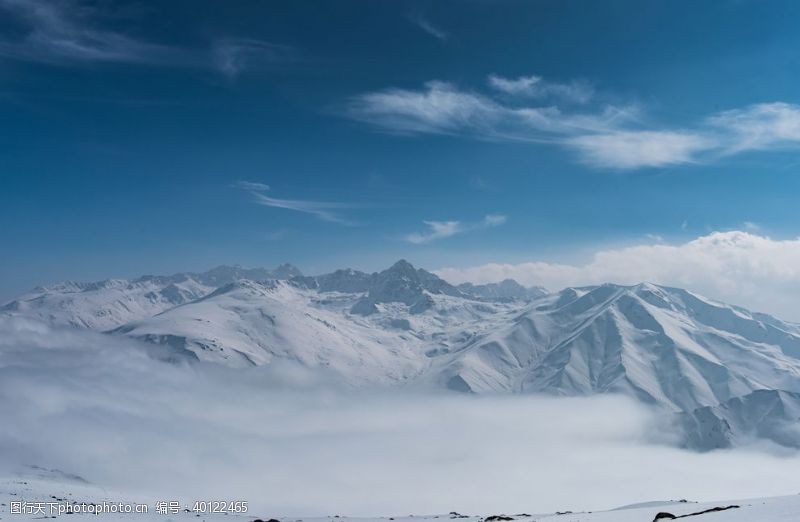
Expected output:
(404, 326)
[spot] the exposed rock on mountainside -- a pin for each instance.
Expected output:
(402, 283)
(506, 289)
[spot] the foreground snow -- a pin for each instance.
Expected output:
(43, 487)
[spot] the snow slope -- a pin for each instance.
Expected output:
(662, 345)
(250, 323)
(52, 487)
(107, 304)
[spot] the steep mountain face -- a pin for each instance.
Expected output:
(402, 283)
(661, 345)
(764, 414)
(104, 305)
(225, 275)
(504, 290)
(346, 281)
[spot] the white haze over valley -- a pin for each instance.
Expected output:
(294, 442)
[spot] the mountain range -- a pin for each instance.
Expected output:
(724, 374)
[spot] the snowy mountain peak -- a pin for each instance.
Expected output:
(344, 281)
(401, 266)
(505, 290)
(402, 283)
(224, 274)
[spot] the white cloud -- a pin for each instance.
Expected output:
(751, 226)
(426, 25)
(94, 405)
(636, 149)
(232, 56)
(493, 220)
(252, 186)
(70, 32)
(62, 31)
(607, 137)
(736, 267)
(441, 108)
(443, 229)
(324, 210)
(436, 230)
(537, 87)
(758, 127)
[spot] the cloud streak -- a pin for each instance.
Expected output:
(69, 32)
(443, 229)
(530, 109)
(61, 32)
(442, 108)
(324, 210)
(428, 27)
(737, 267)
(233, 56)
(537, 87)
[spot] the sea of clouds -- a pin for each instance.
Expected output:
(294, 443)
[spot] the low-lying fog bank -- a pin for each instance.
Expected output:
(294, 443)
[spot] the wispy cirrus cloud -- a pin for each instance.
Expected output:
(428, 27)
(59, 32)
(252, 186)
(442, 108)
(70, 32)
(758, 127)
(443, 229)
(324, 210)
(232, 56)
(536, 87)
(619, 137)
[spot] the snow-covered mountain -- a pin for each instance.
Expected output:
(104, 305)
(402, 283)
(252, 323)
(662, 345)
(762, 414)
(505, 289)
(728, 372)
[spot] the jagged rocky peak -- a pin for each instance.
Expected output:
(506, 289)
(346, 280)
(403, 283)
(286, 271)
(225, 274)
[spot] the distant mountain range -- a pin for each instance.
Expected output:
(725, 373)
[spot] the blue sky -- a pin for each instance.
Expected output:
(155, 137)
